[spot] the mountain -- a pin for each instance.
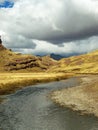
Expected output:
(56, 56)
(85, 63)
(53, 56)
(11, 61)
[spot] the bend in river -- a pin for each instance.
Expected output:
(31, 109)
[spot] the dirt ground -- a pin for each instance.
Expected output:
(82, 98)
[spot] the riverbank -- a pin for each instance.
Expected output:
(10, 82)
(82, 98)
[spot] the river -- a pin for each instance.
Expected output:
(31, 109)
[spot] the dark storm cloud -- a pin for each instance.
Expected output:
(55, 22)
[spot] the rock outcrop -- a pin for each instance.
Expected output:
(0, 40)
(1, 46)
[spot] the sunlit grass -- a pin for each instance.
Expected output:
(12, 81)
(86, 63)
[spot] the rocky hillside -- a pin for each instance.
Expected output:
(10, 61)
(87, 63)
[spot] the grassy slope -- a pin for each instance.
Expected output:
(10, 61)
(87, 63)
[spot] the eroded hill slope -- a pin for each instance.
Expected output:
(10, 61)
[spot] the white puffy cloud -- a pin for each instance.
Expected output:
(81, 46)
(52, 23)
(67, 48)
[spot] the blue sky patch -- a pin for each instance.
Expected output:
(7, 4)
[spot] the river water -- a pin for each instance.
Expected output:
(31, 109)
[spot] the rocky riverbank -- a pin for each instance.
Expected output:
(82, 98)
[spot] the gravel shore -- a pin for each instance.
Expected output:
(82, 98)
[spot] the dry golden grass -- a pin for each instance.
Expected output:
(86, 63)
(10, 61)
(10, 82)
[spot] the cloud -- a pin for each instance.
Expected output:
(19, 42)
(54, 22)
(67, 48)
(81, 46)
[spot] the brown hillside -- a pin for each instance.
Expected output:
(10, 61)
(87, 63)
(2, 47)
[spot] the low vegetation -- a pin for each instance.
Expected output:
(10, 82)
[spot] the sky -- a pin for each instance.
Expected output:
(42, 27)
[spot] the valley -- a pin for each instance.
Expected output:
(19, 70)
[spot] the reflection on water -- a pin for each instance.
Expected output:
(31, 109)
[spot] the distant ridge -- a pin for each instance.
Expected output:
(56, 56)
(53, 56)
